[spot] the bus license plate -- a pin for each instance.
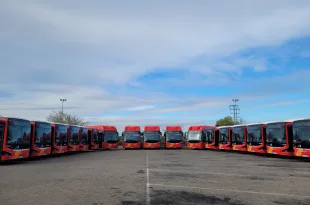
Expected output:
(274, 153)
(20, 157)
(304, 155)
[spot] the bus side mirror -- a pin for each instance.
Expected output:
(164, 134)
(160, 133)
(122, 134)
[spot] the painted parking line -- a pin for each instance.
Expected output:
(216, 173)
(229, 190)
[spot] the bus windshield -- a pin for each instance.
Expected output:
(43, 135)
(223, 137)
(302, 134)
(152, 136)
(174, 136)
(194, 136)
(84, 138)
(111, 136)
(74, 135)
(254, 135)
(238, 135)
(132, 137)
(61, 135)
(18, 134)
(276, 135)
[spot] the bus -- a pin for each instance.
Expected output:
(84, 140)
(225, 138)
(151, 137)
(280, 138)
(108, 136)
(59, 138)
(74, 135)
(94, 140)
(14, 138)
(256, 138)
(173, 137)
(212, 139)
(132, 137)
(301, 138)
(239, 134)
(41, 139)
(196, 136)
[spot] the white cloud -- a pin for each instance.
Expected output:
(142, 107)
(149, 35)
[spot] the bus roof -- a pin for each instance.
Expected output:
(40, 121)
(301, 119)
(280, 121)
(13, 118)
(229, 126)
(258, 123)
(104, 127)
(151, 128)
(200, 127)
(132, 128)
(241, 125)
(174, 128)
(58, 123)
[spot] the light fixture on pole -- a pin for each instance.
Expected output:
(62, 104)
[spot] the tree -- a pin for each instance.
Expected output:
(67, 118)
(227, 121)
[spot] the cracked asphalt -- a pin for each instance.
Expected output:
(173, 177)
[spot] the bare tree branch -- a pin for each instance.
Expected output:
(67, 118)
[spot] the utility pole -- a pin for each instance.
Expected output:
(234, 108)
(62, 105)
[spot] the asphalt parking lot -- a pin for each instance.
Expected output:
(156, 177)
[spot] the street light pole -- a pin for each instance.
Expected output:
(62, 105)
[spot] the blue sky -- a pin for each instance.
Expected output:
(143, 63)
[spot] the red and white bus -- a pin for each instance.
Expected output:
(196, 136)
(84, 140)
(41, 138)
(132, 137)
(301, 138)
(239, 134)
(74, 135)
(59, 138)
(14, 138)
(225, 138)
(173, 137)
(94, 140)
(280, 138)
(212, 139)
(256, 138)
(108, 136)
(151, 137)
